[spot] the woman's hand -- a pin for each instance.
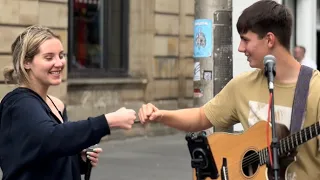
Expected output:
(93, 156)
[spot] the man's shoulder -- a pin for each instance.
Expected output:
(314, 86)
(315, 76)
(249, 76)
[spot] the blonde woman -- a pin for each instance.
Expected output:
(36, 139)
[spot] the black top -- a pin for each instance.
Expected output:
(34, 144)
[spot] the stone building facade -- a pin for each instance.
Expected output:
(156, 49)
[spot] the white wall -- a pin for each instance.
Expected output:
(306, 32)
(240, 63)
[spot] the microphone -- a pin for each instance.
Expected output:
(89, 166)
(269, 62)
(88, 163)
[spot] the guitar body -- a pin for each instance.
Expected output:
(234, 147)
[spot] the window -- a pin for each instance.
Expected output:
(98, 38)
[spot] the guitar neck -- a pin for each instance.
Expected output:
(289, 143)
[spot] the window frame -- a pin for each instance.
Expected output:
(124, 60)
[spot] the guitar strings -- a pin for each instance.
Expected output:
(255, 157)
(284, 141)
(252, 158)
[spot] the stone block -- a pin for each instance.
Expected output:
(167, 6)
(135, 6)
(186, 47)
(186, 67)
(167, 24)
(9, 12)
(4, 62)
(189, 88)
(166, 46)
(29, 12)
(97, 96)
(188, 25)
(137, 66)
(58, 16)
(7, 36)
(166, 89)
(189, 6)
(135, 22)
(64, 37)
(166, 68)
(142, 21)
(131, 94)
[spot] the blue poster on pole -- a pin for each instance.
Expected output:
(202, 38)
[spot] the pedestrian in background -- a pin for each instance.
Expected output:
(300, 55)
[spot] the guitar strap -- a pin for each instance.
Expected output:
(300, 99)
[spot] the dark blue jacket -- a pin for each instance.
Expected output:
(34, 144)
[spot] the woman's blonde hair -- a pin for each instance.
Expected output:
(23, 50)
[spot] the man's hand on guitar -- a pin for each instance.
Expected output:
(149, 112)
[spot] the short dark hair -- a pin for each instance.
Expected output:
(267, 16)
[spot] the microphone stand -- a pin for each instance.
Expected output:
(275, 141)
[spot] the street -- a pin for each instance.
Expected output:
(150, 158)
(144, 158)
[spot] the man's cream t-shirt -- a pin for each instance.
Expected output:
(245, 99)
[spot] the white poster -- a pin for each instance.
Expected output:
(196, 71)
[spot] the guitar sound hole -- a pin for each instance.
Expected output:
(250, 163)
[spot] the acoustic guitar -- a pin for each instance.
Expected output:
(247, 154)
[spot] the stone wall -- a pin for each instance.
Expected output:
(160, 57)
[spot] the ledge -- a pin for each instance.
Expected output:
(94, 81)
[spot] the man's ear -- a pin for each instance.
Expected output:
(271, 39)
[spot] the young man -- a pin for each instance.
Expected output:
(265, 28)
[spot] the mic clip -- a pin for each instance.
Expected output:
(270, 73)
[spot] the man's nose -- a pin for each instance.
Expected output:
(241, 47)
